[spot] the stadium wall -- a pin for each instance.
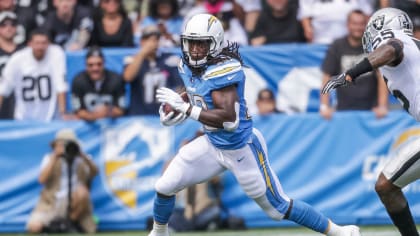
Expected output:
(329, 164)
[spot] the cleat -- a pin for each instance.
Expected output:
(350, 230)
(159, 230)
(154, 233)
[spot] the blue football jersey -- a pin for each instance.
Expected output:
(199, 91)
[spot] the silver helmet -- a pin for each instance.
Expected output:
(382, 20)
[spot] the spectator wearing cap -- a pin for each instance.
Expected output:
(266, 102)
(8, 23)
(54, 176)
(97, 92)
(148, 70)
(26, 19)
(70, 25)
(165, 15)
(112, 27)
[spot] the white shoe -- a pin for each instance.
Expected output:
(350, 230)
(154, 233)
(159, 230)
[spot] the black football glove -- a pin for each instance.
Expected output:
(335, 82)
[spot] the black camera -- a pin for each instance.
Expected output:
(71, 150)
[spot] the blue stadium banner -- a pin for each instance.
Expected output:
(332, 165)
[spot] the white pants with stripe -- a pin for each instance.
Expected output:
(404, 166)
(199, 161)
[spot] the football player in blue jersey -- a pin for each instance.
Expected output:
(214, 81)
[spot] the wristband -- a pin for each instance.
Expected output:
(361, 68)
(195, 112)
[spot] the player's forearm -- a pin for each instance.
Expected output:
(384, 55)
(388, 54)
(1, 101)
(215, 118)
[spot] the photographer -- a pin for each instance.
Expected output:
(53, 212)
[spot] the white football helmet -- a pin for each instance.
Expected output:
(202, 27)
(383, 19)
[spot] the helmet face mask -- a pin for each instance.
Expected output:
(385, 19)
(367, 41)
(204, 28)
(206, 48)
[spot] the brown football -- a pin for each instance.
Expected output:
(167, 109)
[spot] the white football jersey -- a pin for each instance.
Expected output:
(36, 84)
(403, 80)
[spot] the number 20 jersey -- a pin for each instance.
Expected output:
(403, 80)
(199, 91)
(35, 83)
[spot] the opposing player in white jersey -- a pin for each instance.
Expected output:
(391, 47)
(36, 75)
(215, 81)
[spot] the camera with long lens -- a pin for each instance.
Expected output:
(71, 150)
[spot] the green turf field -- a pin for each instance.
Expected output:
(366, 231)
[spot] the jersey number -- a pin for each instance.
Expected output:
(385, 34)
(34, 87)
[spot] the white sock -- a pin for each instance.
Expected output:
(158, 228)
(334, 230)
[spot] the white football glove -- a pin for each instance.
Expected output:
(168, 120)
(173, 99)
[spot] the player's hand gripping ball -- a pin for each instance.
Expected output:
(167, 108)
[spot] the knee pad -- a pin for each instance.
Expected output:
(272, 211)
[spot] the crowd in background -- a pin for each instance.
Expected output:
(36, 34)
(53, 27)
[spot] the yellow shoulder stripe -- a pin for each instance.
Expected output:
(222, 71)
